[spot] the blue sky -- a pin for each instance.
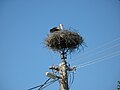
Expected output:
(24, 59)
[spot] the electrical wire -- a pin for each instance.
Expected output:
(109, 54)
(71, 80)
(100, 56)
(95, 60)
(40, 85)
(97, 53)
(35, 87)
(92, 50)
(99, 59)
(47, 84)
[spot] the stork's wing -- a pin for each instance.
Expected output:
(54, 29)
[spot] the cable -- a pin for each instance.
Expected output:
(71, 75)
(97, 59)
(40, 85)
(47, 84)
(101, 59)
(35, 87)
(108, 48)
(98, 48)
(72, 79)
(69, 79)
(100, 51)
(101, 56)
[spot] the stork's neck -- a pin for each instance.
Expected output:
(61, 26)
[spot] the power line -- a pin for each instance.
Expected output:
(92, 50)
(40, 85)
(71, 79)
(47, 84)
(101, 57)
(97, 53)
(99, 60)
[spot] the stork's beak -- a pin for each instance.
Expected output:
(61, 24)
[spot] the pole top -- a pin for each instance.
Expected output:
(63, 55)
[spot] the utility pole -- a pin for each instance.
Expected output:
(63, 72)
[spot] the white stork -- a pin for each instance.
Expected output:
(56, 28)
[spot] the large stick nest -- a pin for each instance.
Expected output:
(64, 40)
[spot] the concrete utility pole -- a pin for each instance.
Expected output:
(63, 72)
